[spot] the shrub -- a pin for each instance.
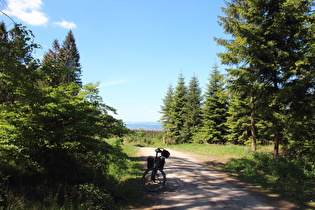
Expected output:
(285, 176)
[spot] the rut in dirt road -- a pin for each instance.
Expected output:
(190, 184)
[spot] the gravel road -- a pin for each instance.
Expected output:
(191, 184)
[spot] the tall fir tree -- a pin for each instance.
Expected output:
(272, 55)
(69, 55)
(238, 120)
(52, 56)
(53, 67)
(179, 112)
(166, 111)
(192, 121)
(214, 111)
(4, 53)
(62, 63)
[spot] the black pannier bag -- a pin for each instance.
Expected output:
(161, 163)
(150, 162)
(165, 153)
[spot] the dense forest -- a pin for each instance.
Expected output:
(267, 93)
(52, 127)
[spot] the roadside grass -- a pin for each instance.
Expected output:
(129, 190)
(218, 151)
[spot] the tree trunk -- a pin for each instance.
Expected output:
(253, 122)
(276, 145)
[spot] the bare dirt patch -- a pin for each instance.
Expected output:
(191, 184)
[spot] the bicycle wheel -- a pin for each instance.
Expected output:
(153, 179)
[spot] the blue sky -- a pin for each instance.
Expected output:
(134, 48)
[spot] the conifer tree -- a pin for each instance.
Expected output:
(272, 55)
(193, 109)
(52, 56)
(53, 66)
(62, 63)
(166, 111)
(69, 55)
(214, 111)
(238, 120)
(179, 113)
(4, 49)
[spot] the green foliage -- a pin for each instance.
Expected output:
(95, 197)
(59, 137)
(52, 148)
(178, 112)
(166, 109)
(65, 62)
(145, 138)
(193, 120)
(238, 121)
(270, 55)
(214, 111)
(271, 76)
(293, 178)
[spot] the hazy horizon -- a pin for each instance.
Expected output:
(146, 125)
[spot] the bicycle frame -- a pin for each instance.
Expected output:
(154, 178)
(155, 163)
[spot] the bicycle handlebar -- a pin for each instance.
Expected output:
(163, 152)
(159, 150)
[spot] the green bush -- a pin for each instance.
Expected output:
(94, 197)
(294, 178)
(144, 137)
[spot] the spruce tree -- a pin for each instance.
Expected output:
(179, 112)
(53, 66)
(272, 55)
(69, 55)
(238, 120)
(214, 111)
(52, 56)
(166, 111)
(62, 63)
(4, 52)
(193, 109)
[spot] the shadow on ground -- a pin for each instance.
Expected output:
(191, 184)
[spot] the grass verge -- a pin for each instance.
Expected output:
(129, 190)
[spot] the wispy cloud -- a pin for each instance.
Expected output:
(111, 83)
(28, 11)
(66, 24)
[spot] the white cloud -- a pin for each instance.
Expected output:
(66, 24)
(110, 83)
(28, 11)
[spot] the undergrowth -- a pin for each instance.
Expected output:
(120, 188)
(292, 179)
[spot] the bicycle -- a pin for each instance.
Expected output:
(154, 178)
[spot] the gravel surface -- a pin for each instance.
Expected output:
(190, 184)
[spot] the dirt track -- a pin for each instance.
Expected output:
(191, 184)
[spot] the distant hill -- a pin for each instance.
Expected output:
(144, 125)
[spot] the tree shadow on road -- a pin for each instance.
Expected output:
(193, 184)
